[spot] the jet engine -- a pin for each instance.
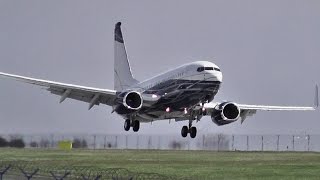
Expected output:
(128, 102)
(225, 113)
(132, 100)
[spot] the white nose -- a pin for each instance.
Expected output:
(215, 76)
(219, 77)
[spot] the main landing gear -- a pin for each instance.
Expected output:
(134, 124)
(191, 129)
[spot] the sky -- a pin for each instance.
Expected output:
(268, 51)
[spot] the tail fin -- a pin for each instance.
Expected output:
(122, 73)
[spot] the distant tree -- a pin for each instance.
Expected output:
(34, 144)
(78, 143)
(84, 144)
(215, 142)
(3, 142)
(44, 143)
(17, 143)
(175, 145)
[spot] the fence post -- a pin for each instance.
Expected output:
(137, 142)
(105, 142)
(126, 141)
(116, 142)
(52, 140)
(262, 143)
(232, 143)
(218, 142)
(293, 143)
(278, 141)
(308, 142)
(203, 142)
(150, 142)
(247, 142)
(159, 142)
(94, 142)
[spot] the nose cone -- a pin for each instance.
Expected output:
(216, 76)
(219, 77)
(211, 71)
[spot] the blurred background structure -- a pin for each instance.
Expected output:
(211, 142)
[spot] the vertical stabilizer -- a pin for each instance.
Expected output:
(122, 73)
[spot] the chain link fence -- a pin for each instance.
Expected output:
(215, 142)
(16, 170)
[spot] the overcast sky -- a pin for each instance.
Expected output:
(269, 53)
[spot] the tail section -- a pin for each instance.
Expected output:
(122, 72)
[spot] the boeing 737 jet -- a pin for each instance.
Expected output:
(185, 93)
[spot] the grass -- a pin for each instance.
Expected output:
(190, 164)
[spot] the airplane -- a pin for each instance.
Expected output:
(185, 93)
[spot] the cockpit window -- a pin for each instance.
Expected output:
(200, 69)
(208, 68)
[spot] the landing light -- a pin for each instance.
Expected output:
(167, 109)
(185, 111)
(154, 96)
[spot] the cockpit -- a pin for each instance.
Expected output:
(200, 69)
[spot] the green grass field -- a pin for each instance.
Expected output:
(189, 164)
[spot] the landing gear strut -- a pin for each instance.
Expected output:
(191, 129)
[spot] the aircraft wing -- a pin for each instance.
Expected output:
(249, 110)
(93, 96)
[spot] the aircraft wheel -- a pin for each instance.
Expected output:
(193, 132)
(127, 125)
(184, 131)
(136, 126)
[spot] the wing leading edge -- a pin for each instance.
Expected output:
(93, 96)
(249, 110)
(284, 108)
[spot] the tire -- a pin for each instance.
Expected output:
(136, 126)
(193, 132)
(184, 131)
(127, 125)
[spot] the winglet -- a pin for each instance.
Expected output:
(118, 34)
(316, 97)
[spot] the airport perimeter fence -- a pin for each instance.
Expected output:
(18, 170)
(215, 142)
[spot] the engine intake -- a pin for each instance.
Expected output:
(225, 113)
(133, 100)
(230, 112)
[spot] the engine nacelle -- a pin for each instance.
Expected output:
(132, 100)
(128, 102)
(225, 113)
